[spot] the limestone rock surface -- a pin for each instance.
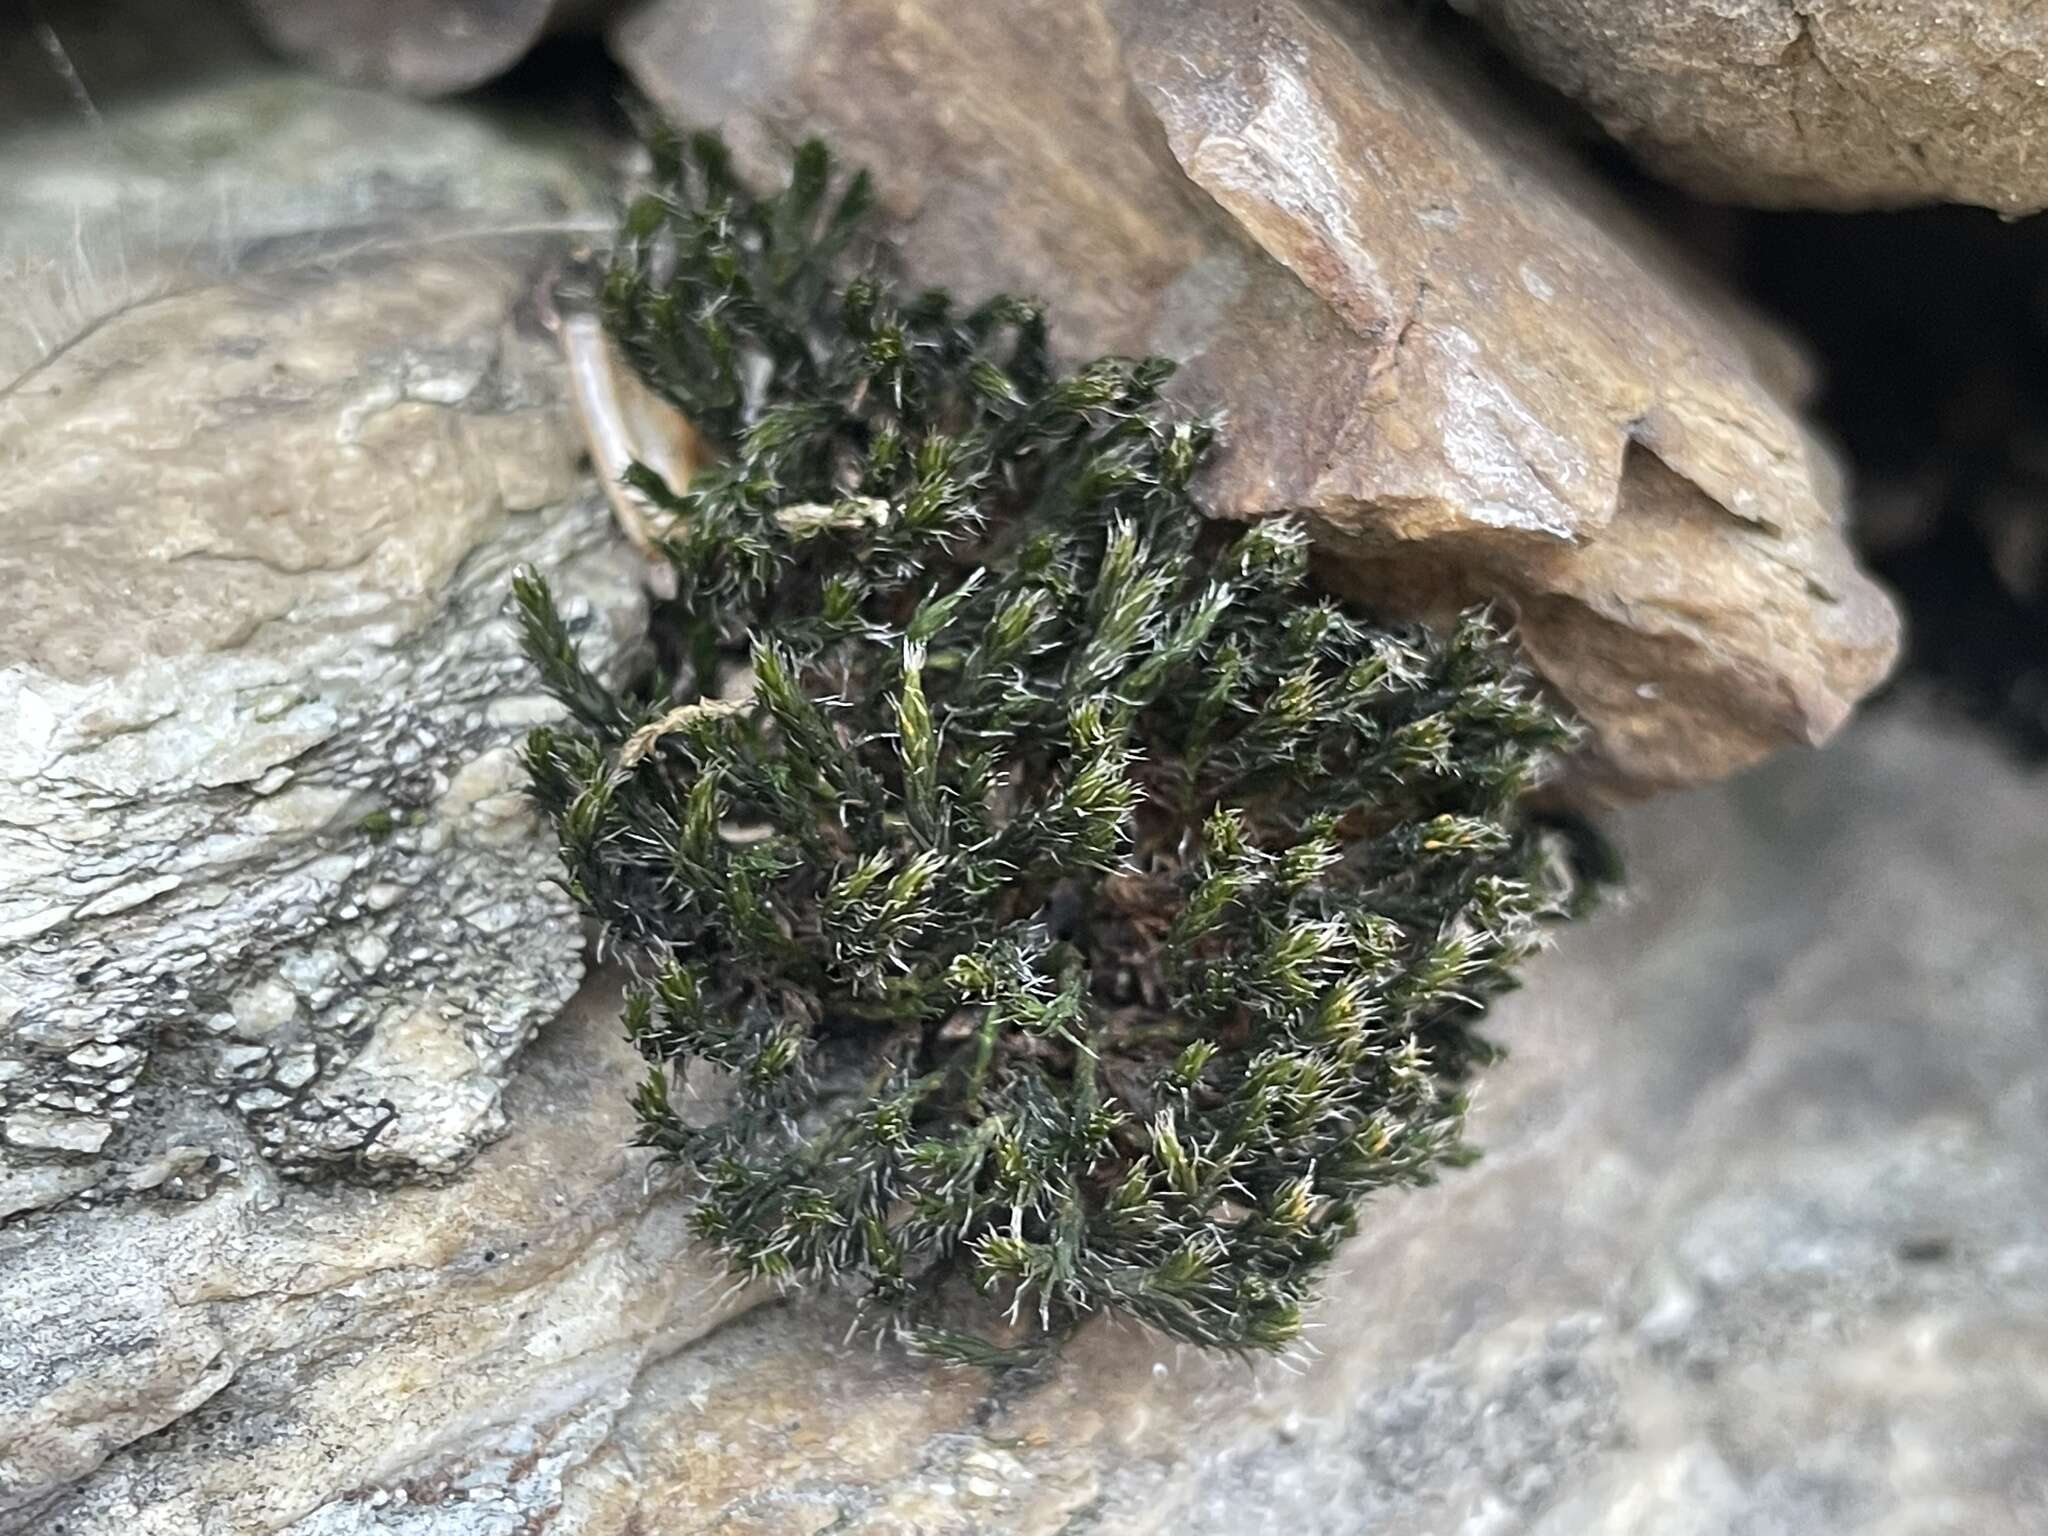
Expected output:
(1475, 372)
(1756, 1246)
(1807, 103)
(268, 886)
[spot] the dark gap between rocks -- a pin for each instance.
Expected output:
(1931, 331)
(1928, 332)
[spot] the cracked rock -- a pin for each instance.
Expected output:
(211, 802)
(1807, 103)
(264, 1354)
(267, 885)
(1474, 371)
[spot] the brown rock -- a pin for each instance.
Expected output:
(1472, 370)
(1807, 103)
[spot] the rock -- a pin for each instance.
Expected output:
(40, 1130)
(1472, 369)
(270, 1354)
(30, 1187)
(267, 885)
(1756, 1245)
(199, 159)
(1807, 103)
(424, 47)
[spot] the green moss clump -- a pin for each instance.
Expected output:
(1070, 902)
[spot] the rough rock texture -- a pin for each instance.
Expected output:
(1475, 371)
(1756, 1248)
(1807, 103)
(267, 880)
(266, 1350)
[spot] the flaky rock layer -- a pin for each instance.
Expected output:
(1475, 371)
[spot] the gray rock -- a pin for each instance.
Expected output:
(423, 47)
(40, 1130)
(267, 882)
(269, 1353)
(147, 146)
(1807, 103)
(1756, 1248)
